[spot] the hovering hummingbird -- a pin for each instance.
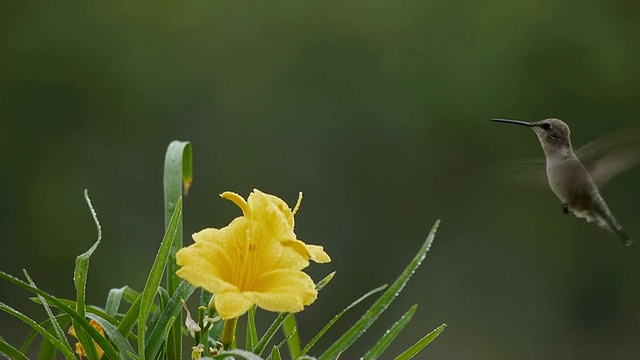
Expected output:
(570, 180)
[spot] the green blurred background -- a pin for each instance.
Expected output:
(378, 111)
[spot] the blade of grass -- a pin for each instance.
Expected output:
(295, 331)
(350, 337)
(174, 306)
(10, 352)
(72, 304)
(49, 337)
(268, 335)
(80, 274)
(178, 175)
(81, 321)
(293, 339)
(114, 335)
(417, 347)
(338, 316)
(113, 301)
(47, 325)
(163, 299)
(322, 283)
(275, 354)
(155, 276)
(167, 330)
(390, 335)
(56, 327)
(130, 318)
(252, 332)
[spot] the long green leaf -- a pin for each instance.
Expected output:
(155, 276)
(80, 274)
(338, 316)
(56, 327)
(349, 337)
(417, 347)
(110, 352)
(11, 352)
(110, 330)
(72, 304)
(113, 301)
(271, 331)
(252, 332)
(174, 307)
(178, 176)
(390, 335)
(130, 318)
(293, 339)
(275, 354)
(62, 346)
(47, 323)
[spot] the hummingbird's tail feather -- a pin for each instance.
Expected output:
(608, 223)
(624, 237)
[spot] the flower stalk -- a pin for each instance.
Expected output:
(229, 333)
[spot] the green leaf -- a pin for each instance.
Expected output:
(82, 262)
(10, 352)
(155, 276)
(47, 325)
(130, 318)
(167, 329)
(349, 337)
(322, 283)
(178, 176)
(252, 332)
(113, 301)
(275, 354)
(114, 335)
(390, 335)
(64, 347)
(338, 316)
(417, 347)
(56, 327)
(271, 331)
(72, 304)
(293, 339)
(80, 274)
(110, 352)
(174, 307)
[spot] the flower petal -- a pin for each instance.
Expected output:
(238, 200)
(231, 304)
(317, 254)
(273, 212)
(283, 290)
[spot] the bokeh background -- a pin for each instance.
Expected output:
(378, 111)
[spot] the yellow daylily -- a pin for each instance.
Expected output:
(79, 348)
(256, 259)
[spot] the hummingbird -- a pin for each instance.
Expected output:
(569, 179)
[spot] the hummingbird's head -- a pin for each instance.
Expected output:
(554, 134)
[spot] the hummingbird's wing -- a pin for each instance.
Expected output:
(611, 155)
(530, 172)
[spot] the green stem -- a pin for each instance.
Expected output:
(228, 333)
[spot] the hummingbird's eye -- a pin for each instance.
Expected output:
(545, 126)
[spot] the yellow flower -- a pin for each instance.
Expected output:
(256, 259)
(79, 349)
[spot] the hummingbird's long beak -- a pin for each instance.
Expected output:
(517, 122)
